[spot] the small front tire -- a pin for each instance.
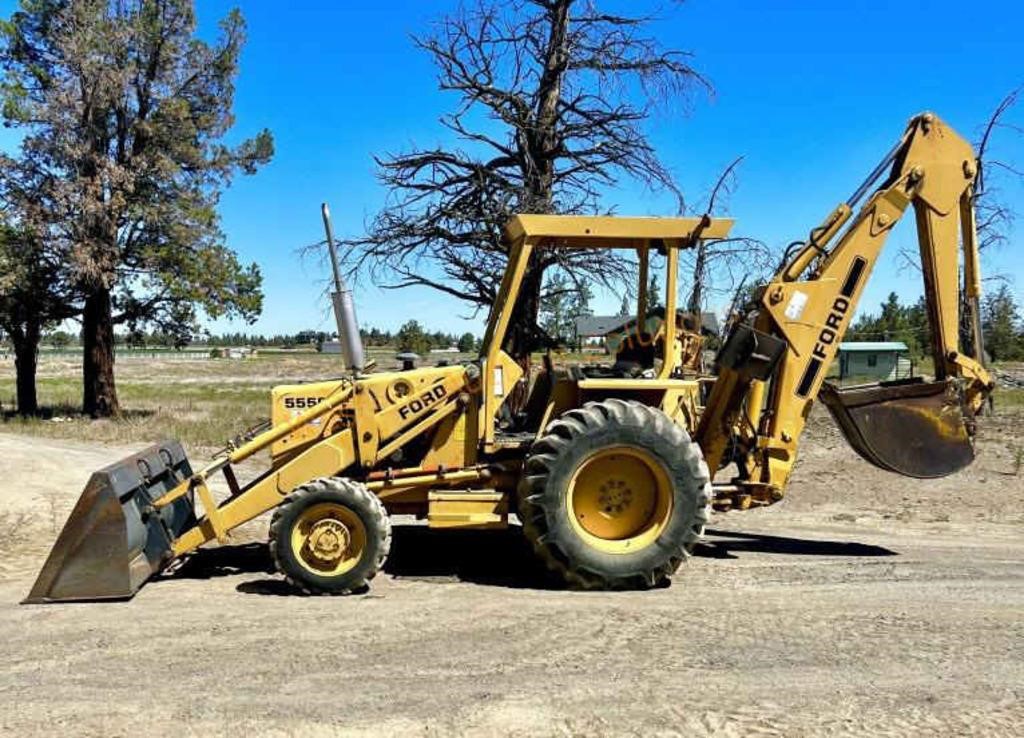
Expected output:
(330, 536)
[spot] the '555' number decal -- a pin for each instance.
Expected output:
(301, 403)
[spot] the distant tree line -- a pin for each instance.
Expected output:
(1001, 323)
(895, 322)
(410, 337)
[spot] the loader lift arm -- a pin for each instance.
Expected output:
(774, 363)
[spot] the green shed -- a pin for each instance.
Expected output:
(877, 360)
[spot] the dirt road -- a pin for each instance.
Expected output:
(863, 604)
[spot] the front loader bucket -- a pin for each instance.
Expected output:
(911, 427)
(114, 539)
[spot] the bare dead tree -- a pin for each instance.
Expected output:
(994, 215)
(552, 97)
(718, 266)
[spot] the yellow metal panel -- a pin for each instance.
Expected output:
(325, 459)
(365, 407)
(497, 326)
(565, 395)
(501, 309)
(454, 442)
(476, 509)
(944, 160)
(597, 231)
(643, 265)
(210, 508)
(501, 375)
(969, 237)
(440, 413)
(434, 387)
(668, 325)
(288, 401)
(680, 404)
(617, 385)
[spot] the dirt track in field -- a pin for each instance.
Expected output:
(862, 604)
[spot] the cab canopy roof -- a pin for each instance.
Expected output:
(603, 231)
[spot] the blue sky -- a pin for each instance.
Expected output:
(811, 93)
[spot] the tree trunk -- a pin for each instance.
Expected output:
(539, 149)
(521, 338)
(99, 397)
(26, 356)
(522, 334)
(697, 293)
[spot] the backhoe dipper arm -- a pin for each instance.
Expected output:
(755, 416)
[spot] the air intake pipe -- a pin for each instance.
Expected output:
(344, 307)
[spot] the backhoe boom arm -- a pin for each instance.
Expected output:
(756, 419)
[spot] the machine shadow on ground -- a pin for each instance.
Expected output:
(491, 558)
(726, 544)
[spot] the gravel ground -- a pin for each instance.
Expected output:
(864, 603)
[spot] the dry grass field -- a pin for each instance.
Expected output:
(862, 604)
(200, 400)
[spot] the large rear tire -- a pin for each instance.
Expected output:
(330, 536)
(614, 496)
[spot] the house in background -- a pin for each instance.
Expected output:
(877, 360)
(606, 332)
(592, 329)
(627, 326)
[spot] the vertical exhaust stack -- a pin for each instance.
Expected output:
(344, 307)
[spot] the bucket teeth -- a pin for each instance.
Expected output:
(114, 540)
(913, 428)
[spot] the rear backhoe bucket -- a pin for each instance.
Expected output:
(114, 539)
(911, 427)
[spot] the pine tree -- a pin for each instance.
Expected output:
(124, 111)
(1000, 322)
(33, 296)
(555, 307)
(653, 293)
(411, 337)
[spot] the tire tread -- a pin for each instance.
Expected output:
(559, 436)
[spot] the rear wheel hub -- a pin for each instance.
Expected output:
(620, 499)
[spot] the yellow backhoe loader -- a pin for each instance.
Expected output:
(610, 469)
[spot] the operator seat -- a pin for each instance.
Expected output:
(636, 354)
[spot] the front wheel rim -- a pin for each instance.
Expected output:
(328, 539)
